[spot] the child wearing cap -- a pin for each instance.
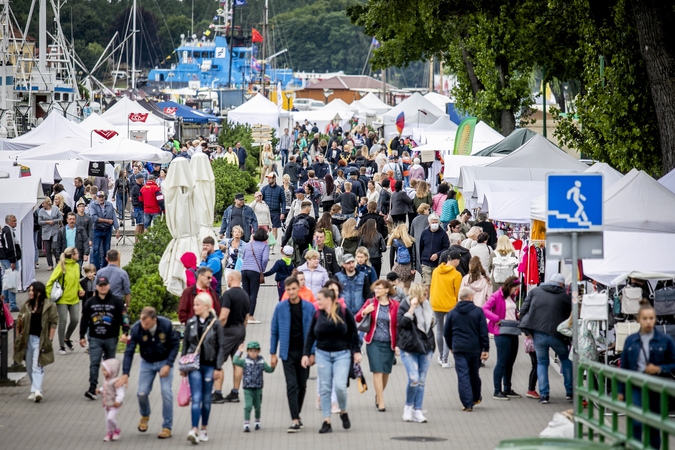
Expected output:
(254, 365)
(282, 269)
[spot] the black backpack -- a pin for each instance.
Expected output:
(300, 229)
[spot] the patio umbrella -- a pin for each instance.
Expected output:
(178, 189)
(204, 197)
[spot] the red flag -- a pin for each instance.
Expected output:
(256, 36)
(170, 110)
(138, 117)
(106, 134)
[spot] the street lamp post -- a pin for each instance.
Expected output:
(22, 110)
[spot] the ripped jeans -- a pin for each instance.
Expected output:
(417, 365)
(201, 385)
(146, 377)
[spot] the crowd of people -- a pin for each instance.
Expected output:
(341, 206)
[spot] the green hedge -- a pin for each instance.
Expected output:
(147, 287)
(229, 181)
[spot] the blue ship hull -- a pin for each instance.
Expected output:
(208, 62)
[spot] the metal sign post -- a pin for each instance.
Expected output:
(574, 208)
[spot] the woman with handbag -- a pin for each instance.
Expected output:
(254, 257)
(203, 353)
(374, 242)
(50, 219)
(66, 296)
(333, 330)
(36, 325)
(502, 315)
(378, 319)
(416, 341)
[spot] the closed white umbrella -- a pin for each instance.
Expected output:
(204, 197)
(178, 190)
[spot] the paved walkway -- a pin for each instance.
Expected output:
(66, 420)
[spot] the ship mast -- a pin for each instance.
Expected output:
(133, 50)
(264, 45)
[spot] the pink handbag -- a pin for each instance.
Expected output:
(9, 320)
(184, 393)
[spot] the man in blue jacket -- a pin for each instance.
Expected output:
(158, 344)
(212, 258)
(290, 325)
(466, 334)
(433, 242)
(355, 284)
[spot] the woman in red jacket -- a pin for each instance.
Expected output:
(381, 338)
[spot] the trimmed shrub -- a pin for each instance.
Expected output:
(229, 181)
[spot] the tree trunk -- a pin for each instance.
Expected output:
(558, 91)
(508, 122)
(654, 24)
(508, 119)
(476, 85)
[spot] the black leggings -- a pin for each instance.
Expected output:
(50, 249)
(398, 218)
(377, 265)
(250, 282)
(532, 385)
(327, 205)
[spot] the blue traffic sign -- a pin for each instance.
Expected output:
(574, 202)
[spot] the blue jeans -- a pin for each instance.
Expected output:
(35, 371)
(201, 384)
(417, 365)
(542, 343)
(100, 247)
(146, 376)
(406, 182)
(284, 156)
(333, 368)
(121, 204)
(35, 241)
(99, 350)
(139, 217)
(654, 406)
(507, 350)
(147, 219)
(467, 366)
(10, 296)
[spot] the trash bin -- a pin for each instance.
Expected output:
(550, 443)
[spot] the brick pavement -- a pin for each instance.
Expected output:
(65, 419)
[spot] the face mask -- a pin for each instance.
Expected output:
(433, 226)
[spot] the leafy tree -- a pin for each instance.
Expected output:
(229, 181)
(231, 133)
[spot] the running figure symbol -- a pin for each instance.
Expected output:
(577, 198)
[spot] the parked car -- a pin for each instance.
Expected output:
(307, 104)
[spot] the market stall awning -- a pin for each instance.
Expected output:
(187, 114)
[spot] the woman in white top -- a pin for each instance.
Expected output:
(262, 211)
(471, 237)
(504, 261)
(483, 251)
(372, 194)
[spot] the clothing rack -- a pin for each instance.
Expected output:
(526, 275)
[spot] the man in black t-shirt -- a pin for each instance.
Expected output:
(234, 308)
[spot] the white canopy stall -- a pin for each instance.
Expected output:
(441, 130)
(668, 180)
(54, 128)
(121, 149)
(257, 110)
(128, 116)
(418, 112)
(26, 194)
(373, 103)
(68, 147)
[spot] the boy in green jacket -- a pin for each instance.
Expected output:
(254, 365)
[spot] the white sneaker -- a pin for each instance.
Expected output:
(254, 321)
(335, 409)
(38, 396)
(407, 413)
(419, 416)
(31, 397)
(203, 437)
(447, 365)
(192, 437)
(439, 361)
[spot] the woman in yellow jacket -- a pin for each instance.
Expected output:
(67, 273)
(443, 292)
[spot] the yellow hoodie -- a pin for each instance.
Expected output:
(444, 290)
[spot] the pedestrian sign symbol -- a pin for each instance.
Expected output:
(574, 202)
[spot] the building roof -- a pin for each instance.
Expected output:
(350, 82)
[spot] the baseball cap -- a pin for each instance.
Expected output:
(453, 255)
(101, 281)
(348, 258)
(392, 276)
(139, 175)
(271, 175)
(287, 250)
(100, 194)
(81, 202)
(239, 196)
(253, 345)
(558, 278)
(300, 191)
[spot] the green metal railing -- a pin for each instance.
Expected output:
(609, 419)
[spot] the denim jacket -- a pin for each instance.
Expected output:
(661, 353)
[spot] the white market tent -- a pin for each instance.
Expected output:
(338, 105)
(65, 148)
(484, 136)
(52, 129)
(257, 110)
(441, 101)
(96, 122)
(441, 130)
(453, 164)
(418, 112)
(373, 103)
(45, 170)
(609, 177)
(118, 115)
(121, 149)
(511, 206)
(26, 195)
(530, 162)
(668, 180)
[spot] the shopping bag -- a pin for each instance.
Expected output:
(11, 280)
(271, 240)
(184, 392)
(594, 306)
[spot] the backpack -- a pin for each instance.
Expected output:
(300, 230)
(398, 174)
(329, 238)
(402, 253)
(160, 199)
(503, 267)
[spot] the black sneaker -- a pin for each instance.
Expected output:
(544, 400)
(217, 397)
(346, 424)
(569, 398)
(69, 344)
(91, 394)
(231, 398)
(294, 428)
(512, 394)
(326, 428)
(499, 396)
